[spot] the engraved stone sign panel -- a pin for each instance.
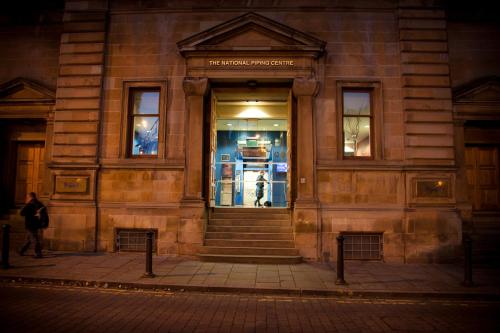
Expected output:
(433, 188)
(72, 184)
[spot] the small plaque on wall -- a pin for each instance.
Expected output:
(71, 184)
(435, 188)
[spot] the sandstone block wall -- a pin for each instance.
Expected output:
(403, 50)
(77, 124)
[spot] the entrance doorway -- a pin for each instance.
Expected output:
(250, 134)
(483, 173)
(29, 169)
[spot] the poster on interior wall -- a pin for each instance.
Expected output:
(227, 170)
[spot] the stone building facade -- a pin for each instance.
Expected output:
(428, 172)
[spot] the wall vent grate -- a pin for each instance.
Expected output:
(363, 246)
(133, 240)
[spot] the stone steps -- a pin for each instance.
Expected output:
(249, 222)
(249, 229)
(249, 235)
(252, 259)
(250, 210)
(253, 214)
(249, 251)
(268, 243)
(254, 235)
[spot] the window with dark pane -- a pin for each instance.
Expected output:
(145, 117)
(357, 123)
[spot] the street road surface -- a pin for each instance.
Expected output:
(39, 308)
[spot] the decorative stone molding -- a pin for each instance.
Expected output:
(23, 98)
(477, 100)
(305, 87)
(285, 37)
(195, 86)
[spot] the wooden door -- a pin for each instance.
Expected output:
(482, 177)
(29, 169)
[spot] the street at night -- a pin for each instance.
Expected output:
(39, 308)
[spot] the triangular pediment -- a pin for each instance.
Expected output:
(251, 32)
(23, 90)
(482, 91)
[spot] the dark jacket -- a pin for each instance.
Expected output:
(31, 222)
(259, 192)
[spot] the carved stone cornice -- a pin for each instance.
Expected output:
(195, 86)
(305, 87)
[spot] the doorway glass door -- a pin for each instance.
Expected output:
(250, 163)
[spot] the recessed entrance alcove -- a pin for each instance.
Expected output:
(246, 81)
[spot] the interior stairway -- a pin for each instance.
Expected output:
(250, 235)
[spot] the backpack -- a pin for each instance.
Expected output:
(43, 217)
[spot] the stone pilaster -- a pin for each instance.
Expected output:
(193, 214)
(305, 214)
(75, 145)
(426, 86)
(195, 90)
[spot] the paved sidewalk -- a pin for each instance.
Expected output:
(364, 278)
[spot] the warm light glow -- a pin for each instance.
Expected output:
(144, 124)
(228, 124)
(275, 125)
(253, 113)
(348, 149)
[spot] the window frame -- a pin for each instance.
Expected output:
(370, 116)
(129, 87)
(376, 144)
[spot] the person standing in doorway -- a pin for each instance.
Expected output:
(259, 191)
(32, 224)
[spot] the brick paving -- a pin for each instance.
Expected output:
(361, 276)
(37, 308)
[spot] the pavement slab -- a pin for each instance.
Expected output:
(375, 277)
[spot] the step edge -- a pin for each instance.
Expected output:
(245, 255)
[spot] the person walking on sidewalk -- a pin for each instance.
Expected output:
(31, 213)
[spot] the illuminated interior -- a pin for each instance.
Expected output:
(250, 133)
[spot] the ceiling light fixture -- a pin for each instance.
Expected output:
(253, 113)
